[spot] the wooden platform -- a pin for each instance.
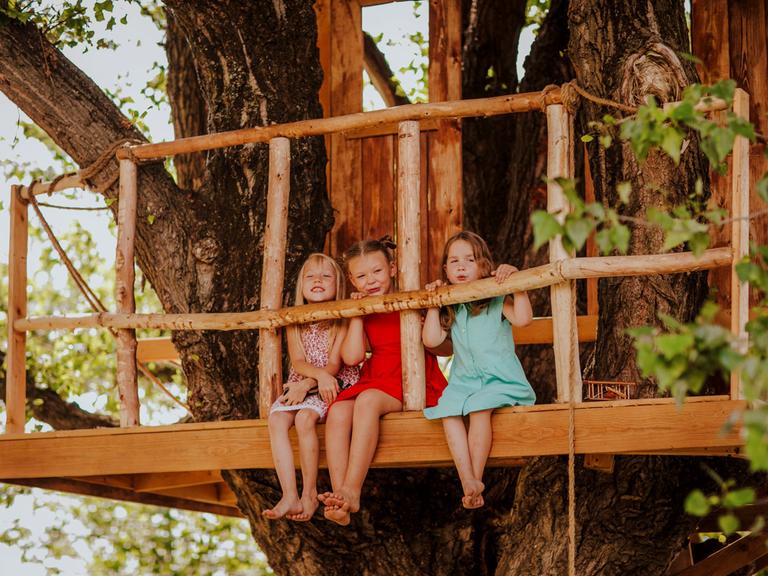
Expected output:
(179, 465)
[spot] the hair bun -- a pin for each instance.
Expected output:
(387, 241)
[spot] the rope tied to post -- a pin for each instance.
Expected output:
(570, 92)
(101, 162)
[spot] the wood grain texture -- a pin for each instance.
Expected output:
(273, 270)
(125, 298)
(407, 439)
(16, 368)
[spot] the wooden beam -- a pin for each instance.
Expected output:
(407, 439)
(529, 279)
(563, 295)
(494, 106)
(273, 270)
(445, 205)
(409, 263)
(734, 556)
(167, 480)
(16, 374)
(71, 486)
(156, 350)
(125, 274)
(739, 235)
(346, 98)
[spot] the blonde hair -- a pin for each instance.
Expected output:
(294, 331)
(485, 266)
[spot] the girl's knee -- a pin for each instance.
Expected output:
(306, 420)
(280, 419)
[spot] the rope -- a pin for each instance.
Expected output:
(80, 208)
(93, 300)
(571, 483)
(102, 161)
(569, 96)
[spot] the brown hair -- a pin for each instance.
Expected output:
(385, 245)
(485, 266)
(316, 258)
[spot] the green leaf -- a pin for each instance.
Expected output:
(740, 497)
(545, 227)
(151, 218)
(762, 186)
(587, 138)
(671, 144)
(672, 345)
(696, 504)
(728, 523)
(578, 230)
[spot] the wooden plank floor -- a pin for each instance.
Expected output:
(179, 465)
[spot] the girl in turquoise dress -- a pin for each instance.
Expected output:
(486, 373)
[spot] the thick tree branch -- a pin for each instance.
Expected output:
(49, 407)
(381, 75)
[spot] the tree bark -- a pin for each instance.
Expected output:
(256, 63)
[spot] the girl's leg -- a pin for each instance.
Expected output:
(309, 455)
(458, 444)
(480, 437)
(370, 406)
(282, 455)
(338, 431)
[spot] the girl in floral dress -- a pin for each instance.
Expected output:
(316, 377)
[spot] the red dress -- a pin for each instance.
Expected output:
(383, 370)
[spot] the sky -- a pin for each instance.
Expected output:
(128, 68)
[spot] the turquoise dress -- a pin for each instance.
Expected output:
(486, 373)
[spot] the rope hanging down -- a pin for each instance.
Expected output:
(93, 300)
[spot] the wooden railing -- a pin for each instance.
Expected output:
(560, 275)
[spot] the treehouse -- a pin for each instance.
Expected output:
(397, 169)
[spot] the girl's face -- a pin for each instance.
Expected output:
(461, 265)
(318, 284)
(371, 273)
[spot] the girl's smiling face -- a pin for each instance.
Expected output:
(371, 273)
(318, 284)
(461, 264)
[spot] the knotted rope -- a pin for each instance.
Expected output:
(569, 96)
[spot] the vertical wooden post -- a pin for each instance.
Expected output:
(563, 296)
(409, 257)
(16, 377)
(125, 275)
(593, 308)
(273, 270)
(444, 213)
(739, 234)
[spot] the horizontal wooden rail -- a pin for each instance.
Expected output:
(407, 439)
(64, 182)
(362, 120)
(530, 279)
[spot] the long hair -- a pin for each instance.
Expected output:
(294, 331)
(485, 265)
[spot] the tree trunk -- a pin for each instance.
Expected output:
(257, 63)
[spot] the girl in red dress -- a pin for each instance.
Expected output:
(352, 429)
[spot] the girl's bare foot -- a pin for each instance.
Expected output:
(340, 505)
(283, 508)
(309, 504)
(473, 495)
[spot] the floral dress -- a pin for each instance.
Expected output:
(316, 340)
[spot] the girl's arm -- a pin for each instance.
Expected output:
(432, 333)
(298, 360)
(353, 346)
(334, 355)
(517, 307)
